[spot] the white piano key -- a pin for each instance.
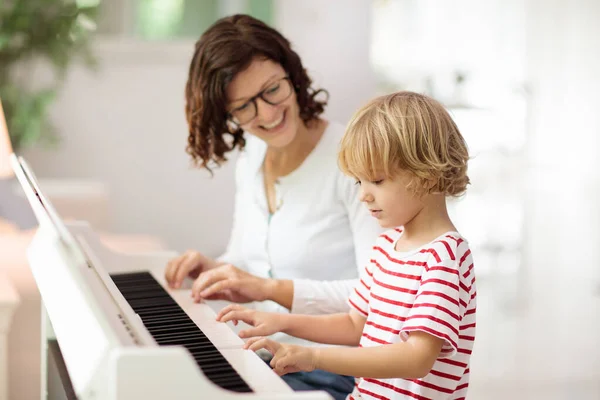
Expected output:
(255, 371)
(203, 316)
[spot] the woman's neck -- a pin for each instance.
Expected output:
(282, 161)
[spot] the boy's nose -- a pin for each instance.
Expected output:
(364, 195)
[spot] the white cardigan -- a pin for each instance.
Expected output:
(319, 237)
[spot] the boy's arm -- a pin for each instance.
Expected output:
(412, 359)
(343, 329)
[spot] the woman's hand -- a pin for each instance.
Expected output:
(189, 264)
(264, 323)
(287, 358)
(230, 283)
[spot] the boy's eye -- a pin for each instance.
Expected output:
(357, 182)
(378, 182)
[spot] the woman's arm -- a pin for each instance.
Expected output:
(324, 297)
(304, 296)
(300, 296)
(281, 291)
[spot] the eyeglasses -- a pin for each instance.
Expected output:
(276, 93)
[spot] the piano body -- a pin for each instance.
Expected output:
(120, 333)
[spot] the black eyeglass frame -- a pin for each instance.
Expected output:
(261, 95)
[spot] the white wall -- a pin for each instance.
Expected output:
(333, 39)
(563, 63)
(125, 124)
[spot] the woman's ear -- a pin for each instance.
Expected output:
(232, 127)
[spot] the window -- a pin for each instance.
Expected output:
(172, 19)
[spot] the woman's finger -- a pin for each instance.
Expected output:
(220, 286)
(187, 263)
(207, 279)
(171, 270)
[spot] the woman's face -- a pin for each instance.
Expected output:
(276, 123)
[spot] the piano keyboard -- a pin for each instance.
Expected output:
(170, 325)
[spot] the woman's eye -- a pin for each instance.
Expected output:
(273, 89)
(378, 182)
(357, 182)
(241, 108)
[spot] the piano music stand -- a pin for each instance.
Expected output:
(55, 381)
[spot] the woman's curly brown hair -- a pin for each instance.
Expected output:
(225, 49)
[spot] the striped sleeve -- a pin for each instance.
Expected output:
(360, 295)
(436, 309)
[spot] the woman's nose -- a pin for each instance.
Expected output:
(265, 111)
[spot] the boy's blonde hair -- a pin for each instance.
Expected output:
(410, 132)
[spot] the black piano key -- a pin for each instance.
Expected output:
(208, 356)
(157, 311)
(170, 325)
(221, 378)
(163, 317)
(155, 302)
(173, 327)
(189, 343)
(148, 321)
(146, 294)
(165, 337)
(217, 369)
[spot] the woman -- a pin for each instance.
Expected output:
(299, 233)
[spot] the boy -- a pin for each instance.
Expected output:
(412, 317)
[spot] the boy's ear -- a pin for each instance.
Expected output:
(431, 185)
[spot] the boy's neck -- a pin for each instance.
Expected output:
(431, 222)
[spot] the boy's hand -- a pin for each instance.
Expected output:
(264, 323)
(287, 358)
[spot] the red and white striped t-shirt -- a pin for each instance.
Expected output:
(430, 289)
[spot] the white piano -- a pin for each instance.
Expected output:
(115, 331)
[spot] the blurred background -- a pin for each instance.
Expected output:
(521, 78)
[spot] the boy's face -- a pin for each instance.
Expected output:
(390, 201)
